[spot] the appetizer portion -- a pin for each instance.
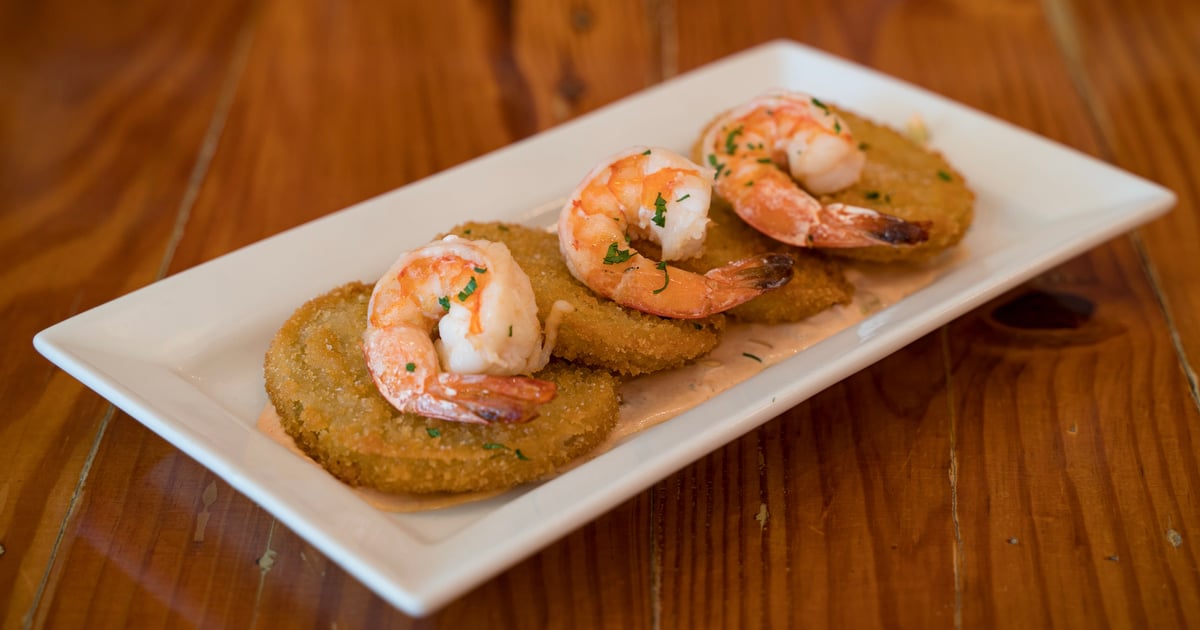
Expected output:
(774, 153)
(317, 380)
(494, 355)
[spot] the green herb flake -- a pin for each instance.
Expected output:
(480, 269)
(410, 367)
(823, 106)
(662, 266)
(510, 331)
(467, 231)
(660, 211)
(712, 161)
(683, 197)
(433, 432)
(616, 256)
(837, 126)
(871, 195)
(730, 146)
(749, 183)
(944, 176)
(445, 302)
(468, 290)
(863, 146)
(646, 152)
(521, 456)
(492, 446)
(502, 228)
(697, 326)
(765, 160)
(751, 356)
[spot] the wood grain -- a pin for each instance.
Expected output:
(102, 116)
(1033, 463)
(1129, 64)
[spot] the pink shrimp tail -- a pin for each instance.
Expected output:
(745, 279)
(839, 225)
(486, 399)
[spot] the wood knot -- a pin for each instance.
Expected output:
(1041, 310)
(1042, 318)
(581, 19)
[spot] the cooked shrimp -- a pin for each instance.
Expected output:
(483, 307)
(661, 196)
(751, 145)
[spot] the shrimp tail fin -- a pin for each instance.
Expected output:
(498, 399)
(757, 273)
(840, 225)
(743, 280)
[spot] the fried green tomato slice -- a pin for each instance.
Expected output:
(817, 282)
(909, 181)
(317, 379)
(600, 332)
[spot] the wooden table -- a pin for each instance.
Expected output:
(1031, 471)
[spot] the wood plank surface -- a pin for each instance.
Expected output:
(102, 116)
(1033, 463)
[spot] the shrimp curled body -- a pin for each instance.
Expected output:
(483, 306)
(752, 145)
(657, 195)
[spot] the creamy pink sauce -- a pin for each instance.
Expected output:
(649, 400)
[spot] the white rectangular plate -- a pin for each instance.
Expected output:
(184, 355)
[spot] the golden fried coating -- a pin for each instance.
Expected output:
(599, 332)
(817, 282)
(905, 180)
(909, 181)
(317, 380)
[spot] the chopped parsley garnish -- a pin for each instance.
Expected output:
(662, 266)
(480, 269)
(660, 211)
(468, 290)
(616, 256)
(521, 456)
(863, 146)
(730, 146)
(445, 302)
(433, 432)
(944, 175)
(871, 194)
(837, 126)
(492, 446)
(646, 152)
(683, 197)
(502, 228)
(697, 326)
(749, 182)
(467, 231)
(823, 106)
(765, 160)
(410, 367)
(712, 161)
(510, 331)
(747, 354)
